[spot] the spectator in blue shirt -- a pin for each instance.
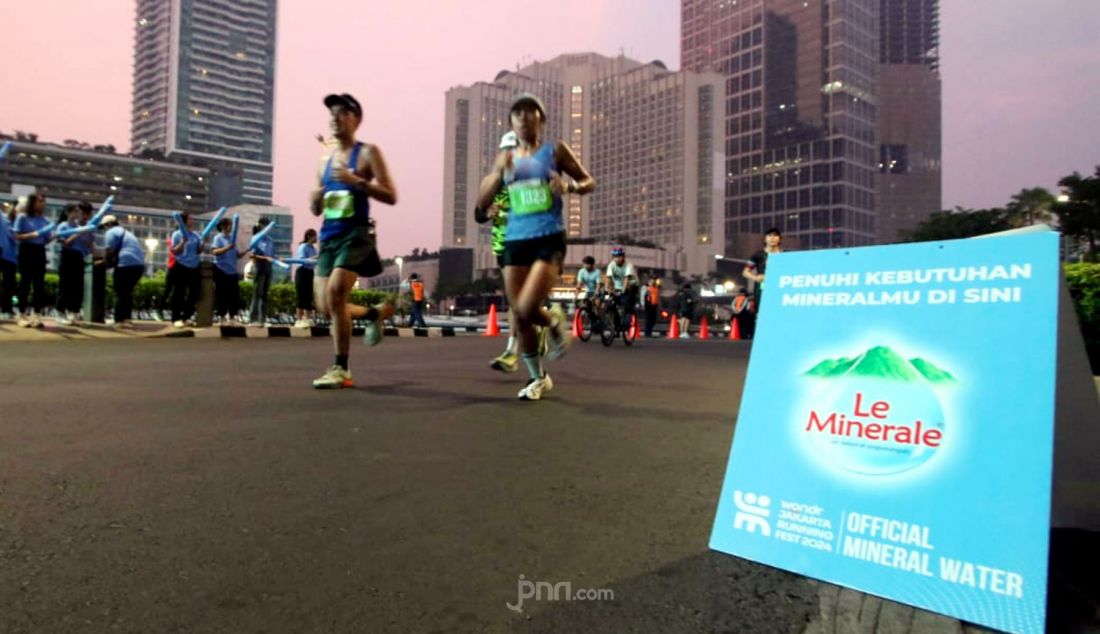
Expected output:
(74, 249)
(185, 247)
(262, 255)
(303, 278)
(227, 289)
(124, 254)
(9, 260)
(33, 231)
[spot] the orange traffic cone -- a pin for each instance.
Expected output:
(632, 333)
(704, 328)
(673, 327)
(735, 331)
(491, 327)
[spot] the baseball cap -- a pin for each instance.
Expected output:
(346, 101)
(525, 98)
(109, 219)
(508, 140)
(617, 251)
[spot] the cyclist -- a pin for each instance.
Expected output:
(622, 281)
(588, 280)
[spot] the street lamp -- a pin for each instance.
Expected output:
(151, 244)
(400, 261)
(1063, 198)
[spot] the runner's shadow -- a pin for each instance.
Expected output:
(412, 390)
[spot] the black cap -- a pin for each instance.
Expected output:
(527, 98)
(345, 100)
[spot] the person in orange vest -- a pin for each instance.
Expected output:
(742, 314)
(416, 290)
(652, 301)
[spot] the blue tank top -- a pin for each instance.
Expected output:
(535, 212)
(344, 206)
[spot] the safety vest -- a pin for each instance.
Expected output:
(654, 293)
(739, 303)
(418, 291)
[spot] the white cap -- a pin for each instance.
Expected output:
(109, 219)
(509, 140)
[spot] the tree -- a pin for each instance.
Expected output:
(1080, 216)
(960, 223)
(1030, 206)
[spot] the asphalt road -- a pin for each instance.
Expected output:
(202, 486)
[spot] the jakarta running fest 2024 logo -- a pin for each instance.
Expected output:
(877, 413)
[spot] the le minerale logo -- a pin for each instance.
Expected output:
(877, 413)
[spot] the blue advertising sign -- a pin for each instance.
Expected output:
(897, 425)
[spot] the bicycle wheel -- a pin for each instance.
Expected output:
(607, 329)
(586, 325)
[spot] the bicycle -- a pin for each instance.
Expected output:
(613, 323)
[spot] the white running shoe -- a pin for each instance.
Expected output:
(535, 388)
(334, 379)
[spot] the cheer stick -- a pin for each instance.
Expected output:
(212, 224)
(233, 233)
(65, 233)
(103, 209)
(44, 231)
(260, 236)
(300, 261)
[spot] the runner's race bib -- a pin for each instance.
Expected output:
(530, 197)
(339, 205)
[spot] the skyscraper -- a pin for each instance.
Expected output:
(804, 115)
(204, 86)
(648, 135)
(910, 114)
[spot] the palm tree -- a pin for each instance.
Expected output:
(1031, 206)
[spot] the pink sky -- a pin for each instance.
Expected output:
(1021, 85)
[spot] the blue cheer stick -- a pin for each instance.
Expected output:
(103, 209)
(300, 261)
(281, 264)
(4, 150)
(65, 233)
(44, 231)
(178, 217)
(260, 236)
(212, 224)
(233, 233)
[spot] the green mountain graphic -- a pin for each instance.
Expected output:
(931, 372)
(882, 363)
(831, 367)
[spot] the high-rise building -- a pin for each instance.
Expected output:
(651, 138)
(910, 114)
(204, 88)
(831, 118)
(799, 117)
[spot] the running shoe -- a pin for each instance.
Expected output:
(535, 388)
(372, 333)
(506, 362)
(334, 379)
(558, 334)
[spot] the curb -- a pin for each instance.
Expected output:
(275, 332)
